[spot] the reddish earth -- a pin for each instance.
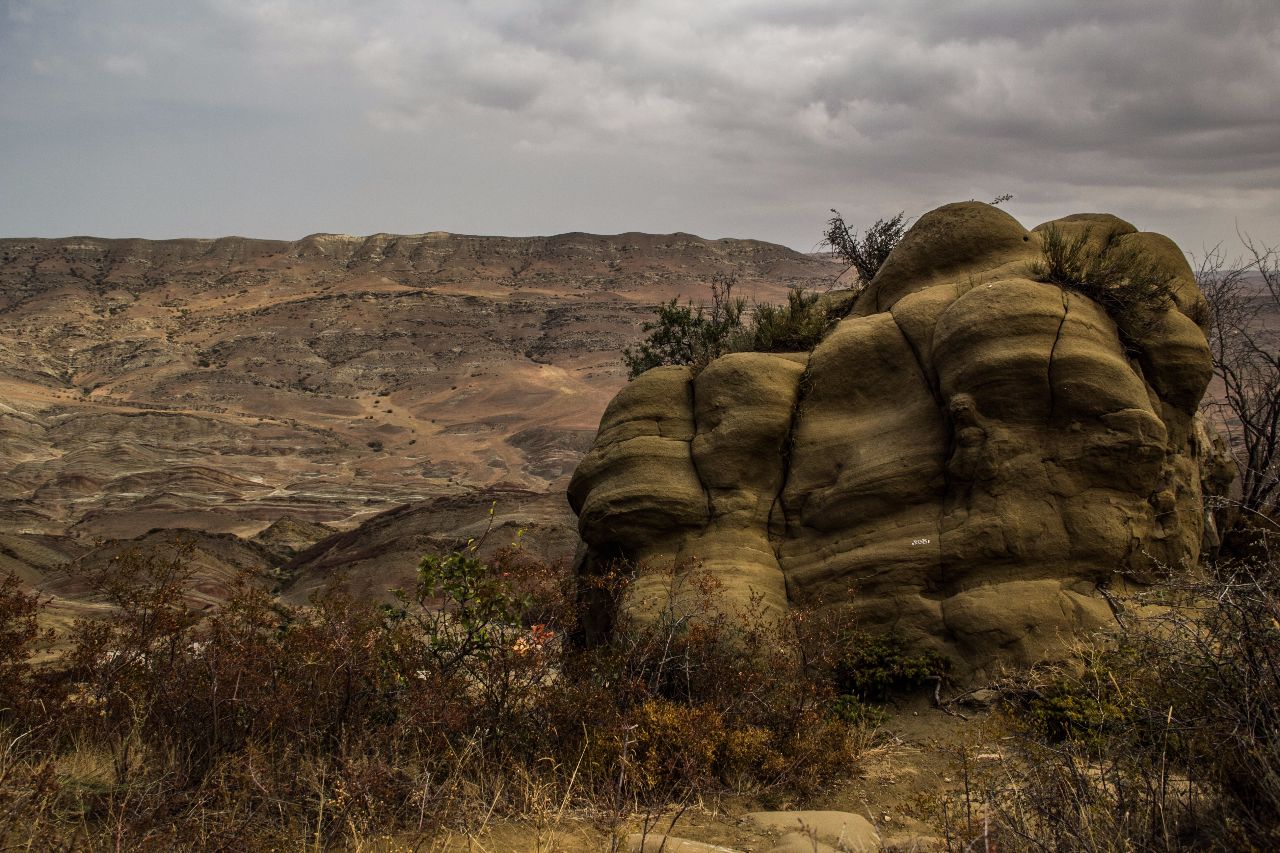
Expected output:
(219, 385)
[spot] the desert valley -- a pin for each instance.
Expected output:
(238, 394)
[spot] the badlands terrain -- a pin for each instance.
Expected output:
(382, 390)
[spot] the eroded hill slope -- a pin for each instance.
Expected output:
(220, 384)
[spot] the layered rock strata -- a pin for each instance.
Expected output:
(963, 461)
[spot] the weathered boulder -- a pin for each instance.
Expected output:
(963, 461)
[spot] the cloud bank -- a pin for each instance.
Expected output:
(731, 118)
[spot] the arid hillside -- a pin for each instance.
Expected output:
(220, 384)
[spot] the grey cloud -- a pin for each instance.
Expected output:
(744, 117)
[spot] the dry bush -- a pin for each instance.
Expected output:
(20, 638)
(1243, 295)
(1131, 286)
(868, 252)
(1168, 738)
(256, 724)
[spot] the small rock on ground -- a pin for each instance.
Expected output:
(843, 831)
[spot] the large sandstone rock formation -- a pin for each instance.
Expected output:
(964, 460)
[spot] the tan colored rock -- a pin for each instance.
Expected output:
(955, 242)
(830, 829)
(800, 842)
(637, 490)
(962, 461)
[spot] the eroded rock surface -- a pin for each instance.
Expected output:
(963, 461)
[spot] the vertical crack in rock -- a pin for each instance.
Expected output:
(693, 457)
(1053, 396)
(933, 385)
(774, 534)
(935, 389)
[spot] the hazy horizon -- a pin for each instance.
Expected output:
(276, 119)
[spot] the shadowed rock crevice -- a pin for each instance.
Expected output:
(777, 524)
(930, 379)
(1053, 350)
(693, 461)
(962, 461)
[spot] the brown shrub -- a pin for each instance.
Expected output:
(257, 723)
(1168, 737)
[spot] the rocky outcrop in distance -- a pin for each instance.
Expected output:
(964, 461)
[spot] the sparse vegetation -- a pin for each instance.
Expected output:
(797, 326)
(1122, 279)
(690, 334)
(1244, 300)
(868, 252)
(1166, 738)
(257, 724)
(869, 670)
(694, 334)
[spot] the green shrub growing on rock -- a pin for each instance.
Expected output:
(697, 334)
(797, 326)
(694, 334)
(690, 334)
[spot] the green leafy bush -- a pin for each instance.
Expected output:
(1082, 709)
(690, 334)
(695, 335)
(797, 326)
(474, 612)
(874, 668)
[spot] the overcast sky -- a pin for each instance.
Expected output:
(726, 118)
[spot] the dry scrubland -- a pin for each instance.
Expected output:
(466, 702)
(465, 716)
(205, 690)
